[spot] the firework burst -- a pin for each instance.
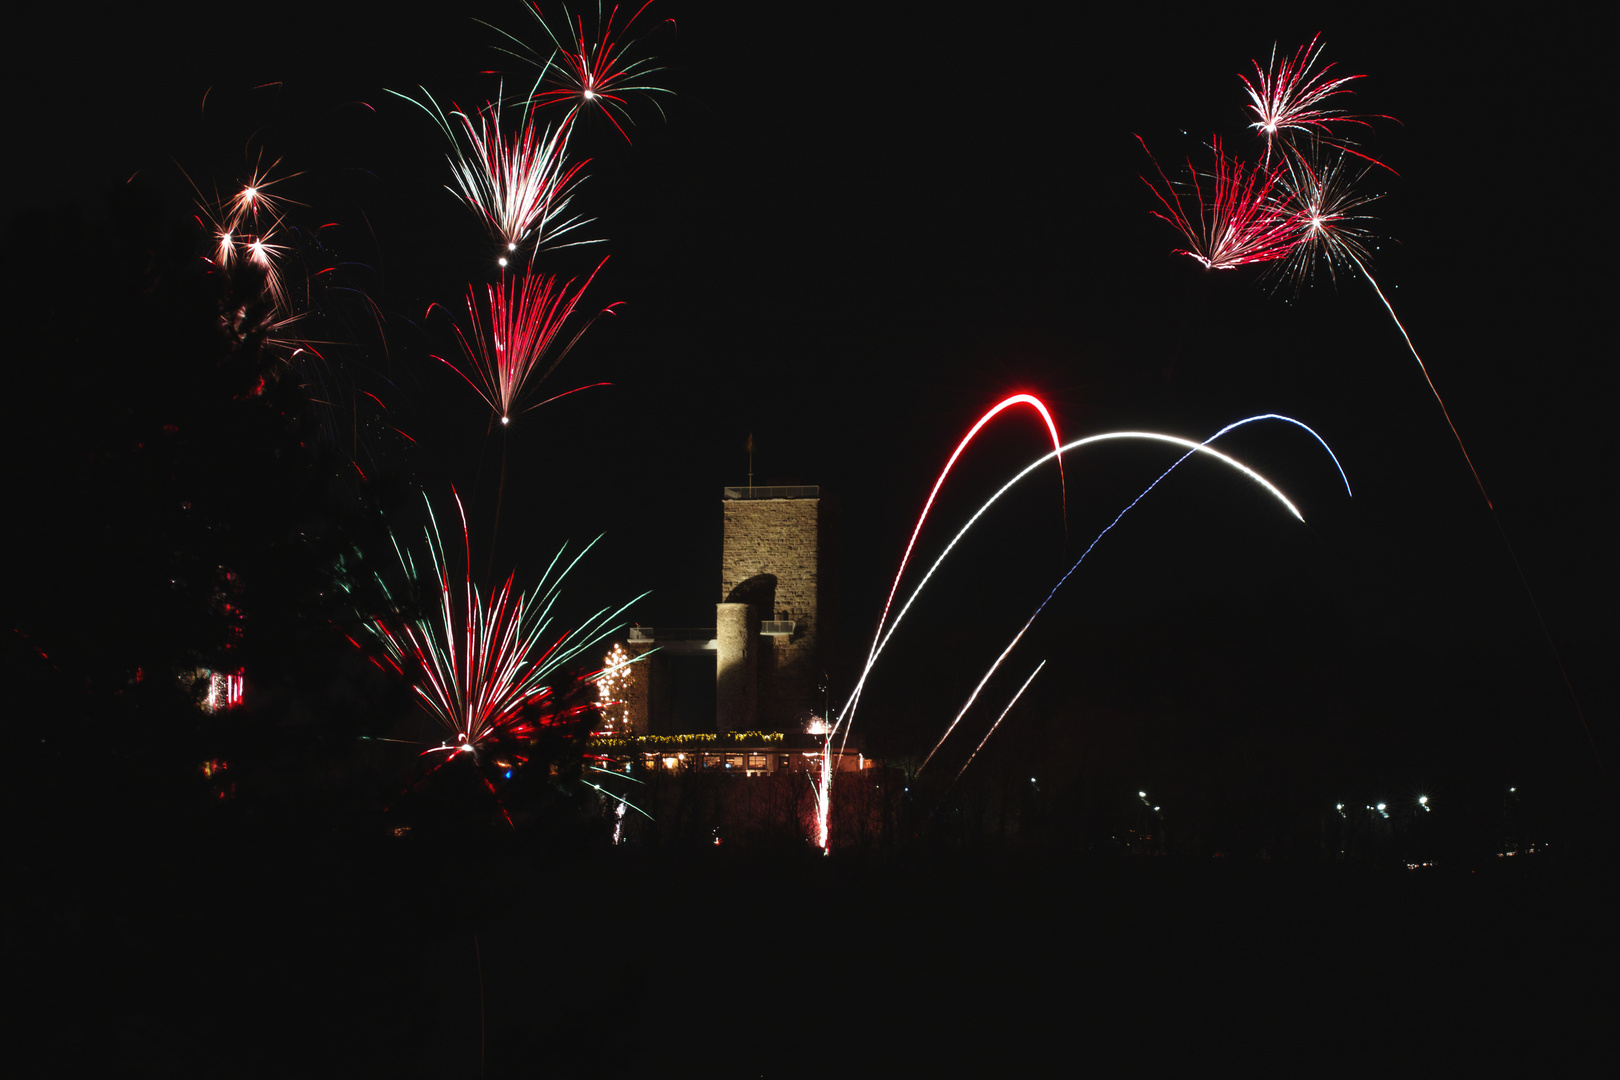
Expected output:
(246, 229)
(590, 71)
(1290, 98)
(1325, 204)
(485, 667)
(512, 334)
(520, 183)
(1244, 220)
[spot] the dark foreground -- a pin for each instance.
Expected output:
(332, 955)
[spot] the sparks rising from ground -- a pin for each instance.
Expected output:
(483, 667)
(1243, 221)
(823, 786)
(511, 336)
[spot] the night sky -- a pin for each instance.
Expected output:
(850, 236)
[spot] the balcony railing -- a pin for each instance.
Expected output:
(651, 635)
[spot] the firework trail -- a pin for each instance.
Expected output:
(997, 724)
(1513, 555)
(1097, 539)
(584, 71)
(1290, 98)
(512, 334)
(1174, 440)
(1323, 202)
(481, 666)
(1324, 206)
(1290, 102)
(1243, 222)
(520, 184)
(1017, 399)
(846, 715)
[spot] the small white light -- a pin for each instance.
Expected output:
(1141, 794)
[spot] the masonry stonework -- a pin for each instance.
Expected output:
(774, 559)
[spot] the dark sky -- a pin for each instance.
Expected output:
(850, 236)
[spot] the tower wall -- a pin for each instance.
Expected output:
(774, 557)
(736, 666)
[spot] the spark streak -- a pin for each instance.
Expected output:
(1016, 399)
(847, 714)
(1438, 399)
(997, 724)
(994, 667)
(1193, 447)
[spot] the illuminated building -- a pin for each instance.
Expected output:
(769, 645)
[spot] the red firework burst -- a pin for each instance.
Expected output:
(511, 336)
(593, 71)
(1290, 98)
(1242, 222)
(483, 666)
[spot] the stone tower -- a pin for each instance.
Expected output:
(775, 592)
(770, 640)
